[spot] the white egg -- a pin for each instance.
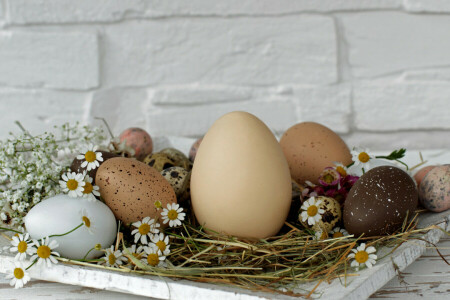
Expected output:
(61, 213)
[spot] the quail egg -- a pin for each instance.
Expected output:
(178, 157)
(159, 161)
(325, 212)
(180, 179)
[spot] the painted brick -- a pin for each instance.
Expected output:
(390, 107)
(434, 6)
(243, 51)
(330, 106)
(121, 108)
(427, 75)
(277, 113)
(385, 42)
(53, 60)
(198, 94)
(39, 111)
(68, 11)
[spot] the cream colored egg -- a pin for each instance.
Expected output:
(240, 182)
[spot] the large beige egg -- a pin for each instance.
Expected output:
(240, 182)
(311, 147)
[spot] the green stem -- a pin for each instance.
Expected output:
(348, 166)
(53, 235)
(31, 264)
(84, 258)
(389, 158)
(8, 229)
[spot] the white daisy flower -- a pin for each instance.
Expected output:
(361, 158)
(173, 214)
(137, 252)
(90, 190)
(43, 251)
(18, 275)
(321, 235)
(73, 184)
(87, 221)
(91, 158)
(311, 212)
(162, 242)
(21, 246)
(145, 228)
(363, 255)
(340, 168)
(153, 256)
(338, 232)
(114, 258)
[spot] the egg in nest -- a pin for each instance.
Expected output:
(179, 178)
(159, 161)
(325, 210)
(178, 157)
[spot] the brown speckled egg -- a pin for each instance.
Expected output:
(159, 161)
(139, 140)
(180, 179)
(331, 216)
(76, 164)
(178, 157)
(420, 175)
(379, 201)
(311, 147)
(434, 190)
(130, 189)
(194, 149)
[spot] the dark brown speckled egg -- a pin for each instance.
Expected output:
(131, 188)
(379, 201)
(434, 190)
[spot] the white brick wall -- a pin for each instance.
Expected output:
(376, 71)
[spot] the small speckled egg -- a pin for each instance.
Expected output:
(180, 179)
(130, 189)
(194, 149)
(434, 190)
(139, 140)
(159, 161)
(178, 157)
(420, 175)
(331, 216)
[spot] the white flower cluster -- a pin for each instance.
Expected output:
(31, 166)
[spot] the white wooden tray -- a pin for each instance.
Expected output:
(359, 287)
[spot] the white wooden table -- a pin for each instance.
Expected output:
(427, 278)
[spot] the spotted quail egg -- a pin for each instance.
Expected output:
(178, 157)
(331, 215)
(180, 179)
(159, 161)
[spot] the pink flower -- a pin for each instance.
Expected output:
(329, 177)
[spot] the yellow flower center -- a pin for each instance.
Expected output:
(153, 259)
(44, 251)
(361, 257)
(161, 245)
(312, 210)
(172, 214)
(88, 188)
(328, 178)
(22, 246)
(86, 222)
(323, 236)
(338, 234)
(341, 171)
(19, 273)
(90, 156)
(158, 204)
(112, 259)
(144, 229)
(72, 184)
(363, 157)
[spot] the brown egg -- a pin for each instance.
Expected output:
(420, 175)
(76, 164)
(379, 201)
(434, 190)
(311, 147)
(178, 157)
(131, 189)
